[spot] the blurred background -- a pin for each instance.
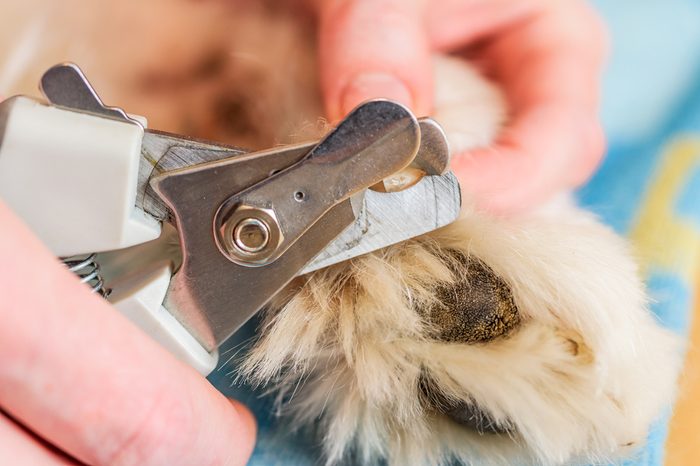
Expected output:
(649, 185)
(218, 69)
(242, 72)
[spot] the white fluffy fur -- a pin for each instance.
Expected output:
(581, 379)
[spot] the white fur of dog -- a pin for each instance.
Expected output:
(581, 380)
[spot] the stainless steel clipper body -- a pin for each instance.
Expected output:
(247, 222)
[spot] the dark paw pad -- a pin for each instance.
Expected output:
(463, 412)
(476, 308)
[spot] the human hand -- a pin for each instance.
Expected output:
(77, 376)
(546, 54)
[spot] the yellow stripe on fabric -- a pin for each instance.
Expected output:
(681, 447)
(669, 243)
(664, 240)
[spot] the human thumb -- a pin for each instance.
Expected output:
(374, 49)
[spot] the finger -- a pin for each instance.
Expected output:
(18, 446)
(81, 376)
(556, 55)
(550, 69)
(544, 152)
(452, 24)
(374, 49)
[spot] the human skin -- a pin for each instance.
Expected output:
(79, 376)
(79, 382)
(547, 55)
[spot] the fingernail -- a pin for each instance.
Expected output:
(374, 86)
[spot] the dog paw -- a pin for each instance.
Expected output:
(487, 341)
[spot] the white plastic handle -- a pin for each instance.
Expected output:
(72, 177)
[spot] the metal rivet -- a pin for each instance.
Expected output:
(251, 235)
